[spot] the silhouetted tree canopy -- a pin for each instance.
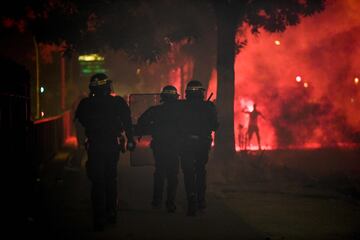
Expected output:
(146, 29)
(88, 25)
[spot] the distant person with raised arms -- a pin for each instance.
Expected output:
(253, 125)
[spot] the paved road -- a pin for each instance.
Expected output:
(259, 202)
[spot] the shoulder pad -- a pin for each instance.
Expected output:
(84, 100)
(119, 99)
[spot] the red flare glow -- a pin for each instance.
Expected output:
(317, 114)
(302, 81)
(71, 141)
(8, 23)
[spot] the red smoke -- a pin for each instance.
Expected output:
(303, 80)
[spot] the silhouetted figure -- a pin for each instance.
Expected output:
(104, 117)
(161, 123)
(199, 119)
(253, 125)
(20, 162)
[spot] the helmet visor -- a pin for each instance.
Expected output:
(195, 88)
(169, 91)
(99, 82)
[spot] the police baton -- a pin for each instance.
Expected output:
(209, 98)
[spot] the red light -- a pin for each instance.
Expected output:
(298, 78)
(8, 23)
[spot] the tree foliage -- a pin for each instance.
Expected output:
(231, 16)
(85, 25)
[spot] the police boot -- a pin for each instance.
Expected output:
(201, 202)
(192, 206)
(156, 204)
(170, 206)
(112, 218)
(201, 205)
(99, 226)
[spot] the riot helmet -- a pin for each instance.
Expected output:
(194, 90)
(100, 84)
(169, 93)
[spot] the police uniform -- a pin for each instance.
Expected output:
(199, 119)
(161, 123)
(104, 117)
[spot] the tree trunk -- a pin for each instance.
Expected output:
(226, 29)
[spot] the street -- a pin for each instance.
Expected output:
(254, 201)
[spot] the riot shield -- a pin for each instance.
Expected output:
(142, 156)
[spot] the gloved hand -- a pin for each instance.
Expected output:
(130, 145)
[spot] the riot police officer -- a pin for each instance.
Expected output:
(104, 118)
(199, 119)
(161, 123)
